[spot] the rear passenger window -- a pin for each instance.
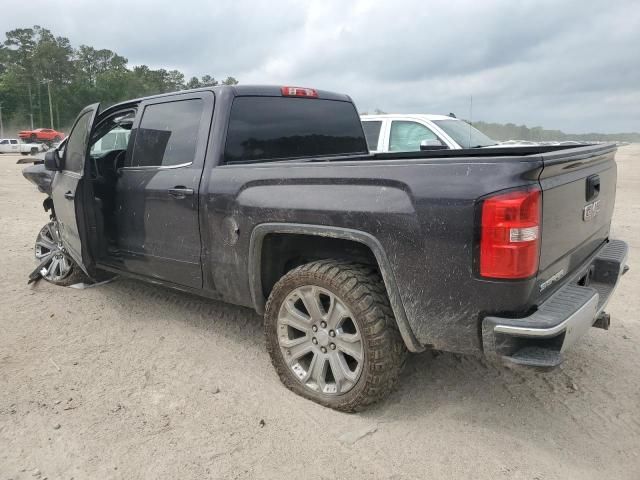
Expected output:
(14, 142)
(272, 128)
(372, 132)
(168, 134)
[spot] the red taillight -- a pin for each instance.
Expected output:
(299, 92)
(510, 237)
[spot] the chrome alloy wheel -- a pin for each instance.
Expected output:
(49, 246)
(320, 341)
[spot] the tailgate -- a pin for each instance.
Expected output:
(578, 195)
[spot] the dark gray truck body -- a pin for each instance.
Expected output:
(413, 215)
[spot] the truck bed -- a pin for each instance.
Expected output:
(478, 152)
(422, 208)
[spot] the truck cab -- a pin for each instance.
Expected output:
(413, 132)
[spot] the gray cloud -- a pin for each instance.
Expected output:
(569, 65)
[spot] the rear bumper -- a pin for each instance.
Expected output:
(540, 339)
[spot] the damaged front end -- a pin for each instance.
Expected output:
(48, 249)
(39, 176)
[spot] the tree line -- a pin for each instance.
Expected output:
(510, 131)
(35, 63)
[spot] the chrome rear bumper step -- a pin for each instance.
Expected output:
(539, 339)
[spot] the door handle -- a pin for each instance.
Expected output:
(69, 195)
(180, 192)
(593, 187)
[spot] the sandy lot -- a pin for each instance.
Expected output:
(129, 380)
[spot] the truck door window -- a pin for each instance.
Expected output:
(75, 151)
(168, 134)
(372, 133)
(406, 136)
(14, 142)
(4, 142)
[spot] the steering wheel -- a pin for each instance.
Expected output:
(118, 160)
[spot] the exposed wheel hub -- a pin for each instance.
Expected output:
(323, 338)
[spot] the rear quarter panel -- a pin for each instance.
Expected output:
(423, 213)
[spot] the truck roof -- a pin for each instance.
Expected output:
(238, 91)
(275, 91)
(414, 116)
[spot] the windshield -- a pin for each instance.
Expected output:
(112, 134)
(116, 139)
(464, 134)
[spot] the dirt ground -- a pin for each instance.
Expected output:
(129, 380)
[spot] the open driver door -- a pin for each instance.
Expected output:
(72, 192)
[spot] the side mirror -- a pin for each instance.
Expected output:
(432, 145)
(52, 161)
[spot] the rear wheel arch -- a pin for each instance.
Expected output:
(366, 249)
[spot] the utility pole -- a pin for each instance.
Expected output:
(30, 105)
(50, 105)
(1, 125)
(39, 103)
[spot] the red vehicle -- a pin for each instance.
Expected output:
(41, 135)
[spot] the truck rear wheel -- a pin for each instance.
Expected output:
(332, 336)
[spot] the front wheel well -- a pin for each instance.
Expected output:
(282, 252)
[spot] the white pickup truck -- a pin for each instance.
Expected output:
(406, 133)
(14, 145)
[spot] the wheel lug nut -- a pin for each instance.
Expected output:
(314, 328)
(332, 333)
(314, 340)
(323, 324)
(324, 350)
(333, 346)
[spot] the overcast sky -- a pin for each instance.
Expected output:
(571, 65)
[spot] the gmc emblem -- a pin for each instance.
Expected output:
(591, 210)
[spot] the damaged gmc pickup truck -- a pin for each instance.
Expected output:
(267, 197)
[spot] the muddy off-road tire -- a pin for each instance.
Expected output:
(332, 336)
(61, 269)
